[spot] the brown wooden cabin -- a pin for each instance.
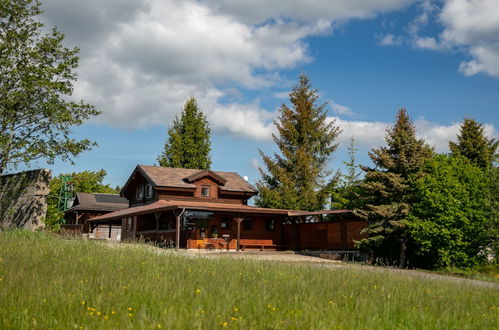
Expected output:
(87, 206)
(191, 208)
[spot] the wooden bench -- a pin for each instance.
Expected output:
(259, 243)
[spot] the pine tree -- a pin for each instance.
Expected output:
(298, 177)
(188, 144)
(346, 196)
(474, 145)
(386, 192)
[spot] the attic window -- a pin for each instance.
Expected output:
(205, 191)
(140, 192)
(149, 192)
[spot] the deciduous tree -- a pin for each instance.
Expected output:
(188, 144)
(298, 177)
(386, 192)
(449, 222)
(36, 81)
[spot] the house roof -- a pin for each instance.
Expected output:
(164, 205)
(170, 177)
(98, 202)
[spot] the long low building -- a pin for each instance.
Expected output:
(189, 208)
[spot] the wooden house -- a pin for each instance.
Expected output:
(87, 206)
(191, 208)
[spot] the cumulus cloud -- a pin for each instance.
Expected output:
(340, 109)
(141, 60)
(467, 26)
(372, 134)
(390, 40)
(474, 25)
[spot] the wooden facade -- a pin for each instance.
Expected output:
(189, 208)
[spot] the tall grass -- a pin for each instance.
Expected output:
(49, 282)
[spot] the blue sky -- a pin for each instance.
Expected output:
(141, 60)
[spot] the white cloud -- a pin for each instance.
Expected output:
(340, 109)
(474, 24)
(254, 163)
(429, 43)
(390, 40)
(369, 135)
(281, 95)
(141, 60)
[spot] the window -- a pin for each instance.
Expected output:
(129, 224)
(269, 224)
(149, 191)
(225, 223)
(248, 224)
(140, 192)
(205, 191)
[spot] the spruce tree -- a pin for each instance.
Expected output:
(473, 144)
(297, 178)
(188, 144)
(346, 196)
(386, 192)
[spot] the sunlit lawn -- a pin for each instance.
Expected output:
(48, 282)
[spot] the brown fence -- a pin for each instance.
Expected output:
(71, 229)
(330, 235)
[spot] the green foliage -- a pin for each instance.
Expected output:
(448, 223)
(297, 178)
(386, 193)
(347, 195)
(86, 181)
(188, 144)
(473, 144)
(52, 283)
(36, 81)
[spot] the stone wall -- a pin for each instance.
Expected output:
(23, 199)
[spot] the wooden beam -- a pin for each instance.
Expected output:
(238, 220)
(157, 215)
(177, 228)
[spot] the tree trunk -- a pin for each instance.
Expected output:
(402, 253)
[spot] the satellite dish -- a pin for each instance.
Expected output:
(245, 178)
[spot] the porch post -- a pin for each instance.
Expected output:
(157, 215)
(238, 244)
(177, 231)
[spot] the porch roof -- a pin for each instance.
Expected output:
(164, 205)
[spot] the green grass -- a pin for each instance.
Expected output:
(49, 282)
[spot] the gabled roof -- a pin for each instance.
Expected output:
(201, 174)
(98, 202)
(170, 177)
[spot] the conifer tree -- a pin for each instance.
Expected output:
(298, 178)
(386, 192)
(473, 144)
(346, 196)
(188, 144)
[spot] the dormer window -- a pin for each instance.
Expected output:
(149, 191)
(205, 191)
(140, 192)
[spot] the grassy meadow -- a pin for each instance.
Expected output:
(50, 282)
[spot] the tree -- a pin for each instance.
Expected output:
(188, 144)
(473, 144)
(448, 223)
(386, 194)
(86, 181)
(297, 178)
(346, 196)
(36, 81)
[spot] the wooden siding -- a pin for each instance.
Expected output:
(332, 235)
